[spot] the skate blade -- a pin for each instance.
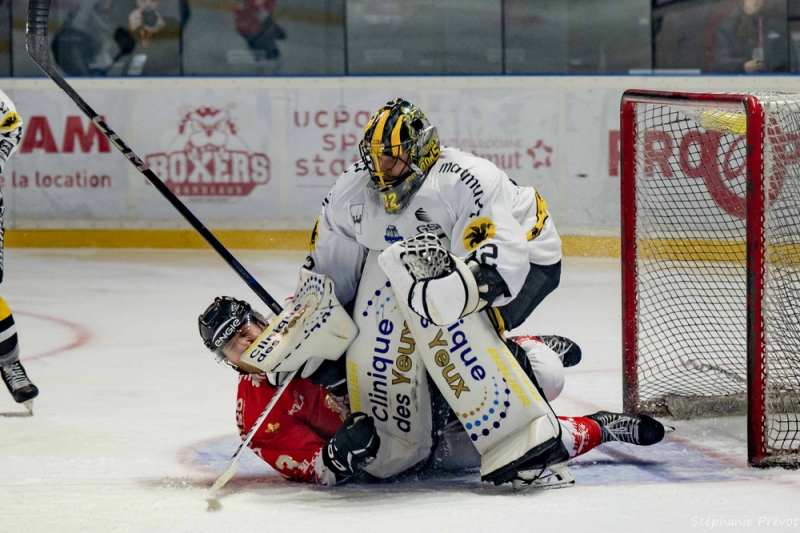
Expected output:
(29, 406)
(554, 477)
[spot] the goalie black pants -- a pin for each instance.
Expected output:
(541, 281)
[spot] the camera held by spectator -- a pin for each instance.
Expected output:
(146, 20)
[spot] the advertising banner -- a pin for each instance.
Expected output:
(212, 148)
(64, 168)
(516, 129)
(264, 154)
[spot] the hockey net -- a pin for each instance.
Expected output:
(711, 261)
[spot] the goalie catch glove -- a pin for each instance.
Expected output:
(439, 286)
(354, 446)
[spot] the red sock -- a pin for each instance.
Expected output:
(584, 435)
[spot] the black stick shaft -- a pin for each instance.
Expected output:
(39, 50)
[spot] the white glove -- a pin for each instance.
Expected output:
(441, 299)
(446, 299)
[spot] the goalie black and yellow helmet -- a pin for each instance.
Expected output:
(399, 128)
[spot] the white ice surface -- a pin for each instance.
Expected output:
(135, 419)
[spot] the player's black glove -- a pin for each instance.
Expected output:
(353, 447)
(332, 376)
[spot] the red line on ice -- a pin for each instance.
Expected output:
(82, 335)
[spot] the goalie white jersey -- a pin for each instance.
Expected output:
(467, 201)
(10, 129)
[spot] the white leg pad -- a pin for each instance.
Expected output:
(500, 408)
(386, 378)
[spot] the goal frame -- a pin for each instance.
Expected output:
(758, 455)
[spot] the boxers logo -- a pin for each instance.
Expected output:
(211, 158)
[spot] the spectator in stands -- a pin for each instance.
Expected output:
(85, 45)
(156, 40)
(752, 39)
(254, 22)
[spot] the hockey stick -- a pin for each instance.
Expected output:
(230, 468)
(39, 50)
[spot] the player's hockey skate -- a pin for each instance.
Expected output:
(641, 430)
(19, 385)
(555, 476)
(567, 350)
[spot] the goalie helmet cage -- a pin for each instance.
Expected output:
(710, 197)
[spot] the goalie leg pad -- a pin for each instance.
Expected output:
(502, 411)
(386, 378)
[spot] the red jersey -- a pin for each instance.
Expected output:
(300, 423)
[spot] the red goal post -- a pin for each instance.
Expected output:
(710, 198)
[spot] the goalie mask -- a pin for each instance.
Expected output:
(398, 149)
(229, 321)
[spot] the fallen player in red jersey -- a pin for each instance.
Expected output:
(311, 435)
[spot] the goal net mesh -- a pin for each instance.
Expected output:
(690, 192)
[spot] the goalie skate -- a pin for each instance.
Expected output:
(555, 476)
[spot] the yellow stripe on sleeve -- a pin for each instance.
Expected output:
(5, 311)
(541, 216)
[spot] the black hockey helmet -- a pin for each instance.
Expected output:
(222, 319)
